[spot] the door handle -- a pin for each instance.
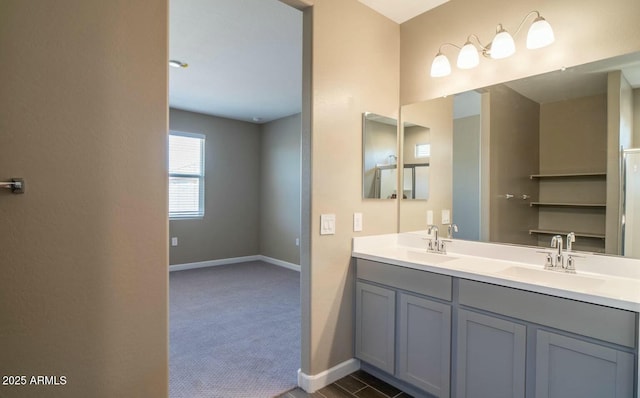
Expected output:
(16, 185)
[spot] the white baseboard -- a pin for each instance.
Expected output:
(312, 383)
(280, 263)
(234, 260)
(213, 263)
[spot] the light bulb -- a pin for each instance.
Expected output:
(440, 66)
(540, 34)
(502, 45)
(468, 57)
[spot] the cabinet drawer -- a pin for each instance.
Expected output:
(422, 282)
(592, 320)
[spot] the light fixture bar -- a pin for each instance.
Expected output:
(502, 46)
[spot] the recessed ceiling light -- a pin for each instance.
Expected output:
(257, 119)
(177, 64)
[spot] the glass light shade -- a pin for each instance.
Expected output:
(540, 34)
(440, 66)
(468, 57)
(502, 45)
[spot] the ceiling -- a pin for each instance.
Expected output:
(245, 56)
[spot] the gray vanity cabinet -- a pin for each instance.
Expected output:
(567, 367)
(491, 357)
(375, 325)
(424, 336)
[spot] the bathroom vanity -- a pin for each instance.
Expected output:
(487, 320)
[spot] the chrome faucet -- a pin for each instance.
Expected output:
(433, 245)
(558, 260)
(451, 228)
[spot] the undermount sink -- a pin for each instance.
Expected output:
(542, 277)
(429, 258)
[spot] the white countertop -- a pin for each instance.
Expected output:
(604, 280)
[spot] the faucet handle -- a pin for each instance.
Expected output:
(549, 261)
(571, 238)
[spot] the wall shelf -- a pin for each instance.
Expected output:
(557, 232)
(569, 175)
(567, 204)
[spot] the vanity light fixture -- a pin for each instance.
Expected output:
(502, 46)
(177, 64)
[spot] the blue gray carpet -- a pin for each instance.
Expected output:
(234, 331)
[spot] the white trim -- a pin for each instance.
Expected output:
(234, 260)
(313, 383)
(213, 263)
(285, 264)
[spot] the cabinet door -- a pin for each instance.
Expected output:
(375, 325)
(424, 329)
(491, 357)
(568, 367)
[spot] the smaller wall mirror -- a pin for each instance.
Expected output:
(416, 152)
(379, 156)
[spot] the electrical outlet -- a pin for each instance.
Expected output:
(174, 241)
(446, 216)
(297, 241)
(429, 217)
(357, 222)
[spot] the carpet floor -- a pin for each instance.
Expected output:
(234, 331)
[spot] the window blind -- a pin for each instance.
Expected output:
(186, 175)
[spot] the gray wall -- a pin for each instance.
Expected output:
(230, 227)
(252, 190)
(466, 176)
(280, 189)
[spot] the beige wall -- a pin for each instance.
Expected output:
(583, 31)
(437, 115)
(83, 118)
(231, 224)
(280, 189)
(514, 140)
(573, 135)
(355, 64)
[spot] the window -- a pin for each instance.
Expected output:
(423, 150)
(186, 175)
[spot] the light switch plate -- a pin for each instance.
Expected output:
(429, 217)
(327, 224)
(174, 241)
(446, 216)
(357, 222)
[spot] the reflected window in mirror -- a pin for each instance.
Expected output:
(416, 157)
(379, 156)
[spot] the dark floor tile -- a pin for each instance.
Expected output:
(351, 384)
(366, 378)
(403, 395)
(300, 393)
(333, 391)
(369, 392)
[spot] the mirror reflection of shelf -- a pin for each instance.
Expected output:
(558, 232)
(567, 204)
(569, 175)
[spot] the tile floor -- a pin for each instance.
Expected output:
(359, 384)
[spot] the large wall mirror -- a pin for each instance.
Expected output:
(544, 155)
(379, 156)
